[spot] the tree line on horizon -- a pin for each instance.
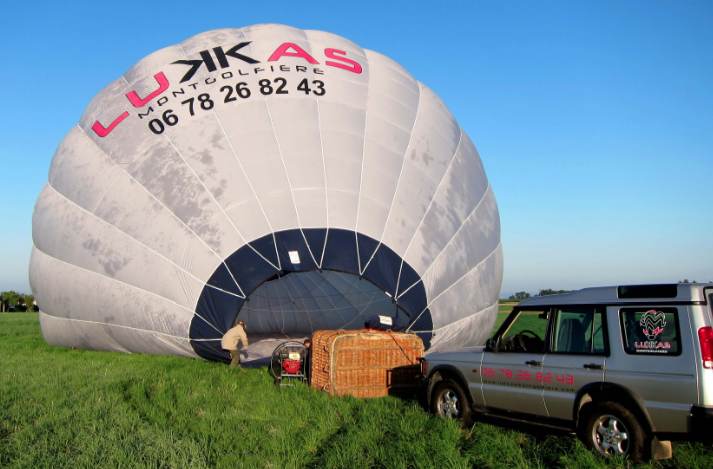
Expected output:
(522, 295)
(12, 301)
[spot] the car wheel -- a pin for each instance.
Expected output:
(449, 400)
(610, 429)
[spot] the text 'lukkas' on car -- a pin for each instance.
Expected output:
(628, 368)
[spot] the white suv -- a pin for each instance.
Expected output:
(627, 367)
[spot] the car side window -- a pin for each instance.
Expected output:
(650, 330)
(579, 330)
(526, 333)
(599, 339)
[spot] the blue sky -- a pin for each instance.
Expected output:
(594, 119)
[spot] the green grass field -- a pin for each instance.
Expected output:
(503, 310)
(75, 408)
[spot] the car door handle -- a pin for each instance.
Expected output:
(593, 366)
(533, 363)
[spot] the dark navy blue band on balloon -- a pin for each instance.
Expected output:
(268, 258)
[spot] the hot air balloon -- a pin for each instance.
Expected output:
(287, 177)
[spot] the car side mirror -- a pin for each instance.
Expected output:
(491, 345)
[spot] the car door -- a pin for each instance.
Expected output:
(577, 356)
(511, 371)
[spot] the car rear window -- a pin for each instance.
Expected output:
(651, 331)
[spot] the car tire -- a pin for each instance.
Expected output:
(449, 400)
(608, 428)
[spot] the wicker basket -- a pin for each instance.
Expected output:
(364, 363)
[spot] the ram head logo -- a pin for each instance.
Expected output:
(652, 323)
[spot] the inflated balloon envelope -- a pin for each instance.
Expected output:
(285, 175)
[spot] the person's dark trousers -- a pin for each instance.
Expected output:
(235, 358)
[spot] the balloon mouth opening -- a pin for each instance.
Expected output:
(294, 305)
(288, 284)
(298, 303)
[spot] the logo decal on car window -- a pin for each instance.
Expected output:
(653, 325)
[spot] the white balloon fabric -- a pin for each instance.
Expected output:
(286, 176)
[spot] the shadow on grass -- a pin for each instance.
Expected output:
(538, 432)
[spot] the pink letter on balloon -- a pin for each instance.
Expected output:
(102, 131)
(297, 51)
(138, 101)
(344, 63)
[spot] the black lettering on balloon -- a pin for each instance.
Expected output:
(281, 89)
(220, 55)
